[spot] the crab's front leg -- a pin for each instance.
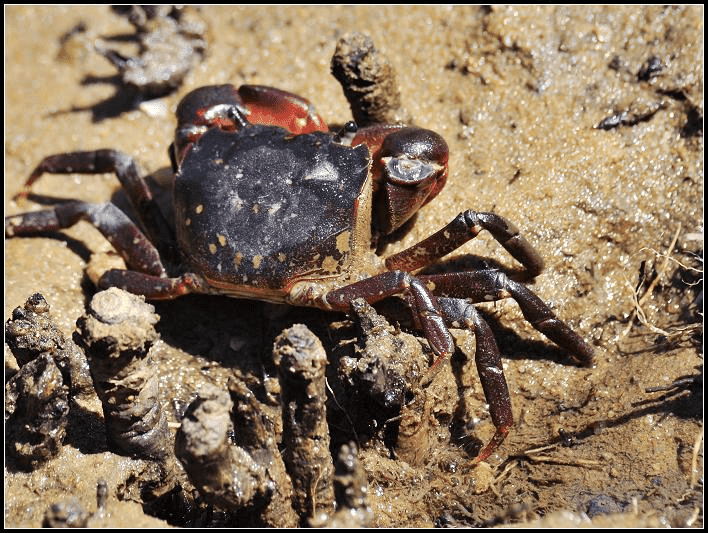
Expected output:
(464, 227)
(410, 167)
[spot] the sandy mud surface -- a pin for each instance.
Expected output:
(583, 125)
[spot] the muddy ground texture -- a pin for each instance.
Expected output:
(582, 125)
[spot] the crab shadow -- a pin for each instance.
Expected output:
(683, 401)
(235, 333)
(123, 100)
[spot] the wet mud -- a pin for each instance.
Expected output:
(581, 124)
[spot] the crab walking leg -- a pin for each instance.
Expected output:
(465, 227)
(492, 285)
(383, 285)
(489, 367)
(153, 287)
(126, 238)
(128, 173)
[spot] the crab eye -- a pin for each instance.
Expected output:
(409, 172)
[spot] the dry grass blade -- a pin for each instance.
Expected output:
(638, 312)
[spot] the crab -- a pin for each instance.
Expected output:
(271, 205)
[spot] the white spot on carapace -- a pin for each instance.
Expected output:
(221, 239)
(281, 257)
(212, 248)
(238, 257)
(325, 171)
(256, 208)
(199, 209)
(187, 221)
(257, 260)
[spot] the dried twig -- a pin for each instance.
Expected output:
(563, 461)
(534, 455)
(638, 312)
(508, 468)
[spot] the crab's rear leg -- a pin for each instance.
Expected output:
(128, 173)
(147, 275)
(460, 313)
(492, 285)
(153, 287)
(464, 227)
(137, 251)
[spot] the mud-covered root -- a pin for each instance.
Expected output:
(375, 378)
(414, 431)
(413, 440)
(225, 475)
(31, 331)
(36, 412)
(368, 80)
(37, 397)
(351, 492)
(302, 361)
(118, 332)
(244, 479)
(258, 431)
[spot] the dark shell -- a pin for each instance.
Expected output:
(260, 207)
